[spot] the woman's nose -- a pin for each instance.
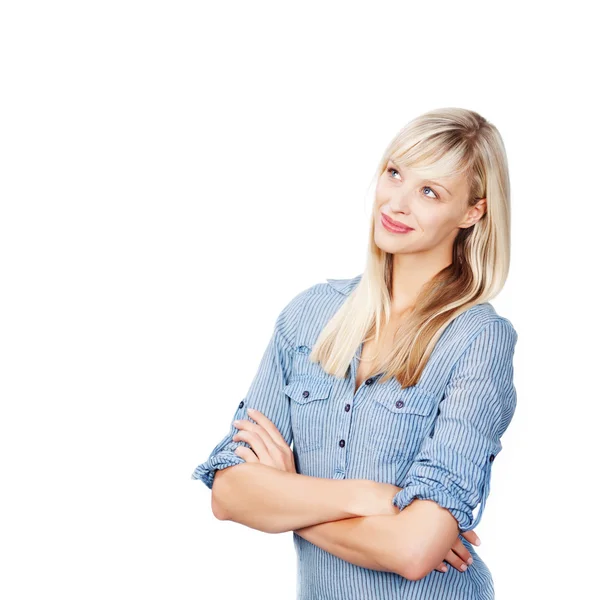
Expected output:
(400, 202)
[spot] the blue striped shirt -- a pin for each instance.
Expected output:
(437, 439)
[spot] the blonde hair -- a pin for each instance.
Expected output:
(443, 142)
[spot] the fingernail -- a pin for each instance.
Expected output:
(463, 567)
(470, 560)
(477, 541)
(250, 410)
(236, 422)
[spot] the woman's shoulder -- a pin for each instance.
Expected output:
(477, 317)
(306, 313)
(480, 321)
(325, 292)
(479, 327)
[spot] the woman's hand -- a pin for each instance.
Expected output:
(458, 555)
(267, 445)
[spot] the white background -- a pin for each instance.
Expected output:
(172, 174)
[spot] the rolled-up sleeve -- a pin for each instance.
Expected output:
(265, 394)
(453, 466)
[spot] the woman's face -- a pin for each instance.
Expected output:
(433, 210)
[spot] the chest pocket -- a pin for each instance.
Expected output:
(399, 422)
(309, 405)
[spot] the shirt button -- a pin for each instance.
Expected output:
(342, 443)
(492, 457)
(347, 407)
(241, 404)
(399, 404)
(369, 381)
(306, 393)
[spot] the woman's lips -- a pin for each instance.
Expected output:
(394, 226)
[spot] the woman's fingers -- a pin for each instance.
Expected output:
(255, 439)
(268, 426)
(442, 567)
(471, 536)
(256, 432)
(262, 436)
(456, 561)
(463, 554)
(246, 454)
(458, 556)
(266, 449)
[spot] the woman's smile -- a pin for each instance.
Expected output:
(394, 226)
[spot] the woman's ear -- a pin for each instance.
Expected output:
(475, 212)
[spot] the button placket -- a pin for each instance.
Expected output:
(340, 467)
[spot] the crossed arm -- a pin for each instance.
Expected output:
(344, 517)
(353, 519)
(411, 543)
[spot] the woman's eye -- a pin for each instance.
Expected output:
(391, 171)
(434, 194)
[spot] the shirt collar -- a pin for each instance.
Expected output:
(344, 286)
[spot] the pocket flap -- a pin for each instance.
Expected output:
(308, 389)
(413, 400)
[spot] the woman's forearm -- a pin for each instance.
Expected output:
(275, 501)
(379, 542)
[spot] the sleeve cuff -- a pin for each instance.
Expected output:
(206, 471)
(458, 509)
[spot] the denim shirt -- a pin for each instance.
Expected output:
(437, 439)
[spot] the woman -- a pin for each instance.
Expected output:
(393, 445)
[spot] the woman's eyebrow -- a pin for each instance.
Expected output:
(425, 180)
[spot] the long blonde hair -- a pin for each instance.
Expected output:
(440, 143)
